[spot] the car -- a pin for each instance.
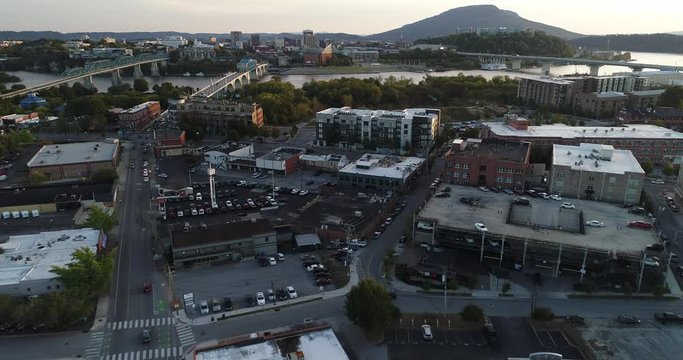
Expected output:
(291, 292)
(674, 207)
(443, 195)
(263, 261)
(427, 333)
(147, 288)
(324, 282)
(272, 261)
(555, 197)
(566, 205)
(201, 211)
(358, 243)
(657, 182)
(294, 191)
(388, 221)
(198, 196)
(628, 320)
(668, 317)
(250, 301)
(376, 235)
(575, 320)
(303, 192)
(521, 201)
(163, 175)
(260, 298)
(639, 224)
(145, 163)
(132, 166)
(637, 210)
(651, 262)
(145, 179)
(402, 239)
(484, 188)
(595, 223)
(480, 227)
(656, 247)
(310, 182)
(313, 267)
(227, 303)
(146, 336)
(282, 294)
(215, 305)
(446, 189)
(280, 257)
(669, 199)
(508, 191)
(180, 213)
(203, 307)
(194, 212)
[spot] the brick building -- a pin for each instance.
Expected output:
(75, 160)
(138, 116)
(220, 116)
(489, 162)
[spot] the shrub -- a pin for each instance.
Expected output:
(542, 314)
(472, 313)
(506, 288)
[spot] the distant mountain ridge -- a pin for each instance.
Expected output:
(476, 16)
(660, 43)
(149, 35)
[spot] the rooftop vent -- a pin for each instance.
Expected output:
(569, 153)
(596, 163)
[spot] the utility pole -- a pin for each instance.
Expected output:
(443, 279)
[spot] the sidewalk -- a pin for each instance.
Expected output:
(182, 317)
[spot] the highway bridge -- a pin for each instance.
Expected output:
(547, 62)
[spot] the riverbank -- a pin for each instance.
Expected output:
(336, 70)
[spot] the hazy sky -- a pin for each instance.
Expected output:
(350, 16)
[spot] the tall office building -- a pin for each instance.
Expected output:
(309, 40)
(236, 39)
(255, 40)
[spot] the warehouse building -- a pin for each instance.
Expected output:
(75, 160)
(382, 172)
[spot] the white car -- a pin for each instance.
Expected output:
(145, 172)
(567, 205)
(272, 261)
(198, 196)
(555, 197)
(651, 262)
(200, 211)
(260, 298)
(294, 191)
(657, 182)
(595, 223)
(145, 179)
(145, 163)
(313, 267)
(228, 203)
(180, 213)
(303, 192)
(291, 292)
(203, 307)
(194, 212)
(163, 175)
(481, 227)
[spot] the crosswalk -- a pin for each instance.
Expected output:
(148, 354)
(185, 334)
(94, 345)
(141, 323)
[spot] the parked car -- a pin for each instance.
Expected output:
(575, 320)
(443, 195)
(203, 307)
(657, 182)
(313, 267)
(260, 298)
(250, 301)
(303, 192)
(227, 303)
(291, 292)
(656, 247)
(427, 333)
(555, 197)
(566, 205)
(215, 305)
(639, 224)
(282, 294)
(637, 210)
(668, 317)
(480, 227)
(520, 201)
(651, 261)
(595, 223)
(272, 261)
(323, 281)
(146, 336)
(147, 288)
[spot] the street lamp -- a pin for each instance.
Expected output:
(481, 254)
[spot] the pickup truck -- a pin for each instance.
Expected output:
(667, 317)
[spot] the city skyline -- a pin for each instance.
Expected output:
(215, 16)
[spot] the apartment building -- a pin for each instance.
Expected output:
(139, 116)
(409, 131)
(220, 116)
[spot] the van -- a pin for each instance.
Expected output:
(15, 215)
(35, 213)
(6, 215)
(25, 214)
(425, 226)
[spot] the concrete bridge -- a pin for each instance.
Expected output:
(232, 81)
(547, 62)
(100, 67)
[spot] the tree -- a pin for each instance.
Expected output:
(647, 166)
(369, 306)
(36, 177)
(668, 169)
(99, 219)
(506, 288)
(542, 314)
(140, 85)
(88, 273)
(628, 288)
(104, 175)
(472, 313)
(275, 133)
(659, 290)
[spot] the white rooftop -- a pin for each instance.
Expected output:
(38, 253)
(74, 153)
(585, 156)
(139, 107)
(648, 92)
(322, 344)
(397, 114)
(389, 166)
(549, 80)
(586, 132)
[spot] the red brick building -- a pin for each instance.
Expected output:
(139, 116)
(488, 162)
(168, 139)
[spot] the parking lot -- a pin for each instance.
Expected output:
(516, 339)
(245, 278)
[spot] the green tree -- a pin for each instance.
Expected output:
(628, 288)
(104, 175)
(369, 306)
(659, 290)
(275, 133)
(472, 313)
(506, 288)
(672, 96)
(140, 85)
(36, 177)
(542, 314)
(100, 219)
(668, 169)
(88, 273)
(647, 166)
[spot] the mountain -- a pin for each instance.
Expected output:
(477, 16)
(660, 43)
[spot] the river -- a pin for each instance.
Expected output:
(103, 82)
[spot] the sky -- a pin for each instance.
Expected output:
(362, 17)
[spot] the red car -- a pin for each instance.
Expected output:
(639, 224)
(146, 288)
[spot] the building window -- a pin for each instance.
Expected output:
(612, 180)
(591, 178)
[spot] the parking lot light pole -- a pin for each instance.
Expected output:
(481, 254)
(443, 279)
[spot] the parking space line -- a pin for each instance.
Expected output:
(539, 339)
(551, 338)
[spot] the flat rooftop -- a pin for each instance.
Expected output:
(38, 253)
(320, 344)
(408, 113)
(547, 80)
(139, 107)
(494, 148)
(389, 166)
(74, 153)
(586, 132)
(585, 157)
(451, 213)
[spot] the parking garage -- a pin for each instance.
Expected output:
(540, 235)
